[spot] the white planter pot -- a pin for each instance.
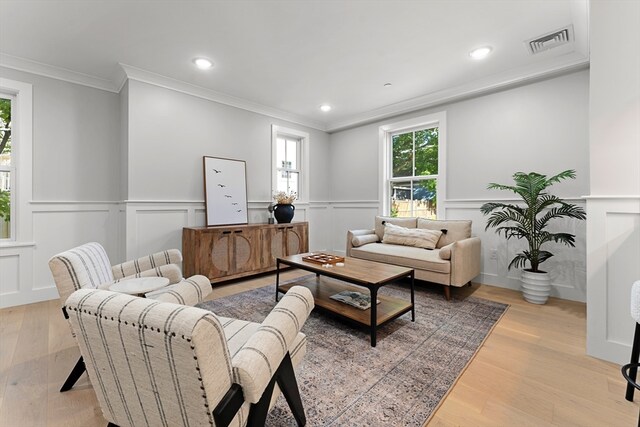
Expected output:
(536, 287)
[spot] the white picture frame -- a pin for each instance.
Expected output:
(225, 191)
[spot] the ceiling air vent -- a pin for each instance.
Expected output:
(551, 40)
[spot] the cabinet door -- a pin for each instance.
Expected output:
(220, 246)
(296, 239)
(275, 242)
(246, 254)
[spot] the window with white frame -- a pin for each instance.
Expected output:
(7, 168)
(290, 161)
(16, 162)
(413, 166)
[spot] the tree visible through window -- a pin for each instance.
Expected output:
(6, 167)
(414, 173)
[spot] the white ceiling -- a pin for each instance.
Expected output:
(292, 56)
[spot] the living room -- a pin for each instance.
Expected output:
(115, 156)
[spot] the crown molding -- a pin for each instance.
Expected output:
(145, 76)
(34, 67)
(561, 65)
(472, 89)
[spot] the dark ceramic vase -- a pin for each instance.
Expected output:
(283, 213)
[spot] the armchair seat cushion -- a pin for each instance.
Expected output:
(406, 256)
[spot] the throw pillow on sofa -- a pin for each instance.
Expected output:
(358, 241)
(420, 238)
(456, 229)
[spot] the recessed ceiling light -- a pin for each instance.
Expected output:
(325, 107)
(480, 53)
(387, 84)
(203, 63)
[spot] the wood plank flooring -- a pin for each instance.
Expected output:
(531, 371)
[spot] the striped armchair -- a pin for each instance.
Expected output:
(88, 267)
(155, 363)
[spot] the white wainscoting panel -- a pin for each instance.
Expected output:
(153, 226)
(57, 226)
(319, 227)
(158, 229)
(613, 245)
(567, 267)
(9, 274)
(62, 226)
(350, 215)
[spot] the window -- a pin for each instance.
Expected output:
(16, 163)
(290, 161)
(7, 168)
(287, 163)
(413, 160)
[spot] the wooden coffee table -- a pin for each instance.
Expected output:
(368, 274)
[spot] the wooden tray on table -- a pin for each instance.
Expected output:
(322, 258)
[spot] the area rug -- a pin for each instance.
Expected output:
(345, 382)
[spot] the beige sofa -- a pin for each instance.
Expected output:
(454, 261)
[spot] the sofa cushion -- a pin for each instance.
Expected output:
(402, 222)
(406, 256)
(364, 239)
(456, 229)
(419, 238)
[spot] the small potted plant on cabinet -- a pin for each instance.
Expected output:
(530, 222)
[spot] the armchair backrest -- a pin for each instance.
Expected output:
(151, 363)
(83, 267)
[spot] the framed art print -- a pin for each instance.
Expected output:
(225, 191)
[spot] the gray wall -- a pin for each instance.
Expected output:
(540, 127)
(76, 131)
(170, 131)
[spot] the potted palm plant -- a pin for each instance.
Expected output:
(530, 222)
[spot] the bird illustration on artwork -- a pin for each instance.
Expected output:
(221, 185)
(234, 203)
(239, 210)
(217, 171)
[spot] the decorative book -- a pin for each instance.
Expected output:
(355, 299)
(322, 258)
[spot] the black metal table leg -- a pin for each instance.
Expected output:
(413, 300)
(277, 277)
(374, 314)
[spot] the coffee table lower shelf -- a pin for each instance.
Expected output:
(388, 309)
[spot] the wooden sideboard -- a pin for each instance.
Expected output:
(230, 252)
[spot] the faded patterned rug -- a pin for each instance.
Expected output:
(345, 382)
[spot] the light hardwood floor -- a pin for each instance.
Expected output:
(531, 371)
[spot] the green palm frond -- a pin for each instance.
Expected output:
(514, 221)
(519, 261)
(506, 215)
(566, 238)
(515, 231)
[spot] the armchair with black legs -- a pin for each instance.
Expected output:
(154, 363)
(88, 267)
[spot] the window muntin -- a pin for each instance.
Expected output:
(7, 168)
(414, 172)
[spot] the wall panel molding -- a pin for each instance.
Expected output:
(613, 243)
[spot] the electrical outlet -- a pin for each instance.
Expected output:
(493, 254)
